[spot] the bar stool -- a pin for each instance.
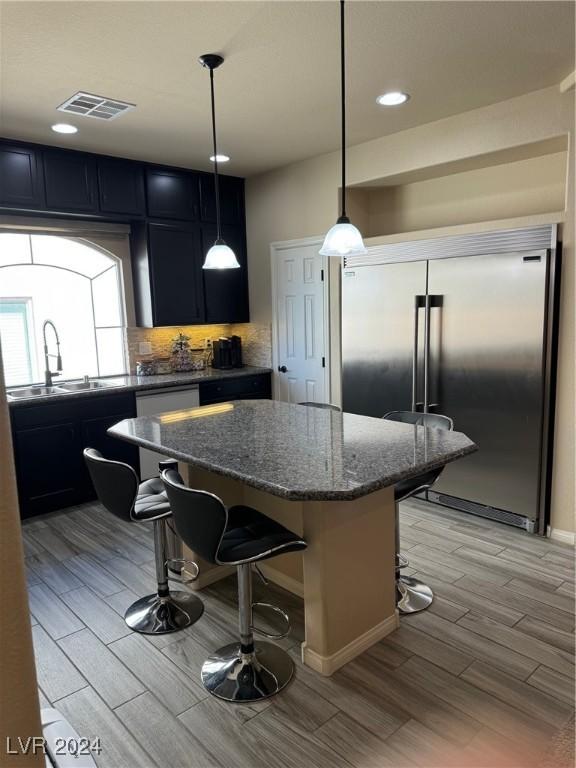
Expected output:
(121, 493)
(411, 594)
(325, 406)
(239, 535)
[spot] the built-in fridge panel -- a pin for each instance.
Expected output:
(464, 326)
(487, 324)
(382, 307)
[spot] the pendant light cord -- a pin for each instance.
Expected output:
(343, 103)
(216, 184)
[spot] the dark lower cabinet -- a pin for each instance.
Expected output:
(48, 461)
(48, 442)
(226, 290)
(21, 183)
(93, 434)
(258, 386)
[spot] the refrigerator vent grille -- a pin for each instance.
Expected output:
(482, 511)
(477, 244)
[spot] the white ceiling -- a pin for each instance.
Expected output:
(278, 91)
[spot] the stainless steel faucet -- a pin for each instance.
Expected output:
(48, 374)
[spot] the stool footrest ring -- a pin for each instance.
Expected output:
(401, 561)
(277, 610)
(182, 561)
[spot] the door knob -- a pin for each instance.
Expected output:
(282, 368)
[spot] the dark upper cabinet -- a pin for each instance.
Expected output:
(171, 264)
(70, 181)
(21, 183)
(121, 187)
(226, 290)
(172, 194)
(173, 214)
(231, 199)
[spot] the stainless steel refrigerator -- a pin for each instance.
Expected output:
(463, 326)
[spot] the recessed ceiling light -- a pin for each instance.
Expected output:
(64, 128)
(392, 98)
(220, 158)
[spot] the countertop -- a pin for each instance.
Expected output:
(293, 451)
(130, 383)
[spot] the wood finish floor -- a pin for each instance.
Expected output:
(483, 679)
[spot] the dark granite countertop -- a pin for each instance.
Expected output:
(294, 451)
(141, 383)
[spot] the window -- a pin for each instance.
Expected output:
(75, 284)
(17, 343)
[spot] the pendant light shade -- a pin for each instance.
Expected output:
(220, 255)
(343, 239)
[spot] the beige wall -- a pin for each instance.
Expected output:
(300, 200)
(531, 186)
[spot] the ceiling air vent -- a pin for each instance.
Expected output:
(95, 106)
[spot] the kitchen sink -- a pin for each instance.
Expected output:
(66, 388)
(85, 386)
(18, 394)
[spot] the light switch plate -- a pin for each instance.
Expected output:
(145, 348)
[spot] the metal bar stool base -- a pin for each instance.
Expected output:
(155, 615)
(232, 675)
(412, 595)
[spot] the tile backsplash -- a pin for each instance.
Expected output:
(256, 340)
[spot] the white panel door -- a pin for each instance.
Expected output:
(300, 339)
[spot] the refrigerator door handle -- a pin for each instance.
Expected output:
(431, 301)
(419, 302)
(427, 305)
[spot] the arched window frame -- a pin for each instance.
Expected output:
(124, 299)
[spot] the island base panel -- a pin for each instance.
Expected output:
(346, 576)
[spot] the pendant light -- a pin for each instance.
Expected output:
(343, 239)
(220, 255)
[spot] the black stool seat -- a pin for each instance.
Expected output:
(252, 536)
(238, 536)
(123, 495)
(406, 488)
(151, 501)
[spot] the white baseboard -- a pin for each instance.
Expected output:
(207, 577)
(557, 534)
(327, 665)
(282, 580)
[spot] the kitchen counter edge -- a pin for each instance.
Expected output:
(143, 384)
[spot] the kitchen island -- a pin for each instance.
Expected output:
(326, 475)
